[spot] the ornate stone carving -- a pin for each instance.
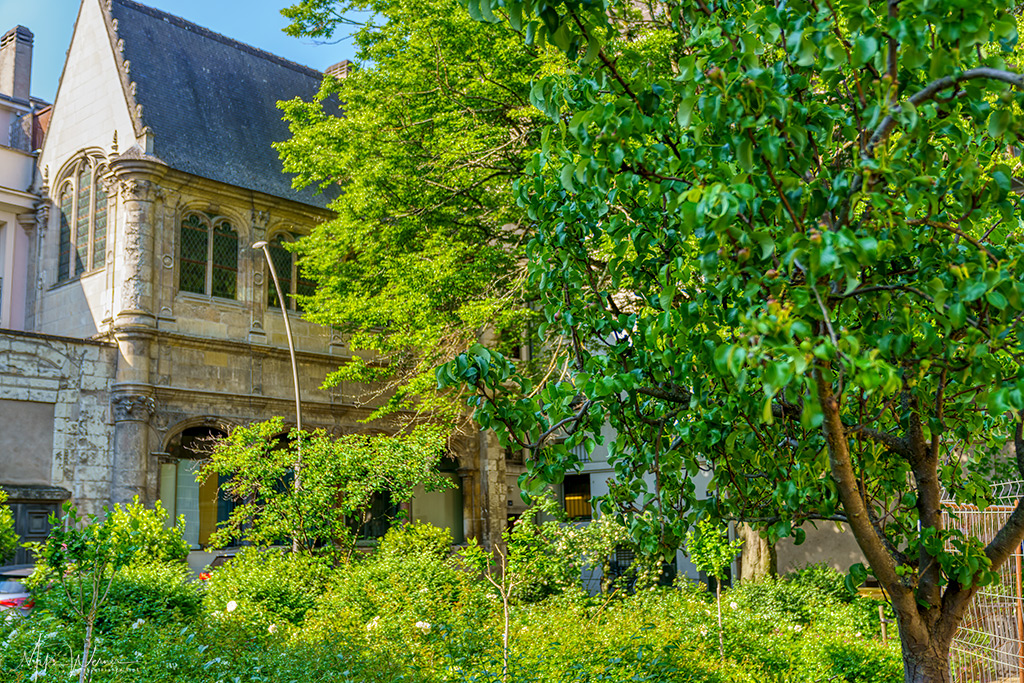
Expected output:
(133, 407)
(168, 261)
(136, 190)
(42, 217)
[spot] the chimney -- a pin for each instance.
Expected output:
(16, 63)
(340, 70)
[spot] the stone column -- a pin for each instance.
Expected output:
(134, 325)
(131, 447)
(494, 488)
(471, 520)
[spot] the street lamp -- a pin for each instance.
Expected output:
(262, 244)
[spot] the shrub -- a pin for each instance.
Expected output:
(149, 532)
(8, 539)
(416, 539)
(826, 580)
(155, 592)
(266, 586)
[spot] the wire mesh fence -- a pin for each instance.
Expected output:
(989, 646)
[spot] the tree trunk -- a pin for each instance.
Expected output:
(927, 664)
(758, 559)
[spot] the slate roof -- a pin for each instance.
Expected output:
(210, 101)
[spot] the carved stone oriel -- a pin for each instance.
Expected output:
(133, 407)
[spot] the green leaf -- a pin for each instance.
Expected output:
(864, 49)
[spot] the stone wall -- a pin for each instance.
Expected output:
(55, 423)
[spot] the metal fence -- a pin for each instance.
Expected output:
(989, 646)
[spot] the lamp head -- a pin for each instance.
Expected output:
(259, 245)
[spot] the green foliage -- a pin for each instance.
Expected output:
(426, 248)
(824, 579)
(147, 529)
(416, 539)
(83, 556)
(339, 479)
(783, 243)
(85, 553)
(258, 588)
(159, 593)
(710, 548)
(407, 615)
(8, 539)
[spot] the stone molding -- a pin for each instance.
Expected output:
(133, 407)
(26, 493)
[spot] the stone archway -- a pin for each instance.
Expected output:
(181, 491)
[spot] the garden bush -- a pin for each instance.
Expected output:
(413, 612)
(157, 592)
(828, 581)
(416, 539)
(151, 535)
(261, 587)
(8, 539)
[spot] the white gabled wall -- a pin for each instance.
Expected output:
(90, 107)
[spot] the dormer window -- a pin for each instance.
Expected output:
(209, 256)
(83, 220)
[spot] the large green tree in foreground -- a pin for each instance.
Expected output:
(783, 243)
(425, 254)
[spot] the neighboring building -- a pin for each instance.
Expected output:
(151, 322)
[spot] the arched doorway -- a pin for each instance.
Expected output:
(203, 504)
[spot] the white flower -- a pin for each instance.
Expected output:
(75, 673)
(857, 634)
(373, 623)
(423, 590)
(231, 606)
(138, 622)
(798, 628)
(734, 605)
(423, 626)
(703, 630)
(272, 628)
(37, 675)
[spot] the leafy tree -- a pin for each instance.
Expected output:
(83, 556)
(8, 539)
(341, 478)
(784, 244)
(425, 254)
(712, 552)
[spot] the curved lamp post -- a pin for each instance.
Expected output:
(262, 244)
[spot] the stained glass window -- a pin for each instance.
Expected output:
(99, 224)
(194, 240)
(225, 261)
(82, 213)
(83, 221)
(66, 207)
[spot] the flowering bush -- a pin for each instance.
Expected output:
(258, 588)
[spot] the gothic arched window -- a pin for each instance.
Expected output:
(209, 256)
(292, 282)
(83, 220)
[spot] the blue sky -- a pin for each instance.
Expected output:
(257, 22)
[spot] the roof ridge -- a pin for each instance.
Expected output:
(219, 37)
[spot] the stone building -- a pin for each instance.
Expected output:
(147, 320)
